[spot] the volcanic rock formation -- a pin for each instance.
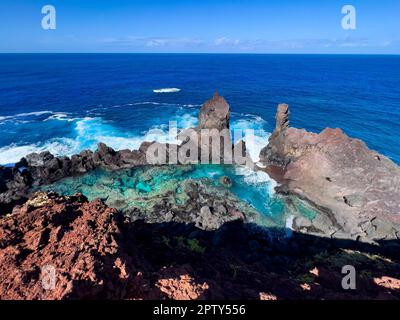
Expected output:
(56, 247)
(76, 239)
(213, 137)
(214, 114)
(356, 189)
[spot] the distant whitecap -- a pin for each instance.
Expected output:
(166, 90)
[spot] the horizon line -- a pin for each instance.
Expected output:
(211, 53)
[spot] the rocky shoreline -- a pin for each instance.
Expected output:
(355, 189)
(45, 168)
(206, 251)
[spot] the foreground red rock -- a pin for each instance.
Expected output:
(96, 254)
(75, 238)
(357, 188)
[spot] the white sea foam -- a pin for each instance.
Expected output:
(36, 113)
(166, 90)
(62, 116)
(30, 117)
(289, 226)
(255, 140)
(153, 103)
(13, 153)
(23, 115)
(258, 177)
(88, 133)
(187, 121)
(191, 105)
(146, 102)
(255, 143)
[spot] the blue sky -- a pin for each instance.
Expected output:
(204, 26)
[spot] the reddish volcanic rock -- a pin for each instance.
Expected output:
(357, 188)
(179, 285)
(70, 238)
(388, 282)
(92, 252)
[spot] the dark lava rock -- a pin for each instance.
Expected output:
(214, 114)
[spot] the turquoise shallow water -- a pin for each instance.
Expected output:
(142, 187)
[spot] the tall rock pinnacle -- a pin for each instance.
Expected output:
(282, 117)
(214, 114)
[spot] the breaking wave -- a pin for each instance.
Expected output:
(166, 90)
(255, 135)
(25, 115)
(13, 153)
(252, 177)
(87, 133)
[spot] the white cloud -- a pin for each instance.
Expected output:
(244, 45)
(224, 41)
(153, 41)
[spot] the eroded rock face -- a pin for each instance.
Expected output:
(14, 184)
(46, 168)
(212, 136)
(214, 114)
(76, 238)
(356, 188)
(98, 255)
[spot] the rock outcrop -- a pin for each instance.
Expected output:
(44, 168)
(196, 202)
(356, 189)
(56, 247)
(214, 114)
(212, 136)
(70, 239)
(14, 185)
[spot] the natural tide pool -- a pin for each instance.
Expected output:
(146, 187)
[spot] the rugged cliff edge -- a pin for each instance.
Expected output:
(356, 189)
(56, 247)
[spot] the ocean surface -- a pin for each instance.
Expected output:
(68, 102)
(65, 103)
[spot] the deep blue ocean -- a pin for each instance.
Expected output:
(68, 102)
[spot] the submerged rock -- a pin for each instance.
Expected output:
(226, 181)
(189, 201)
(350, 184)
